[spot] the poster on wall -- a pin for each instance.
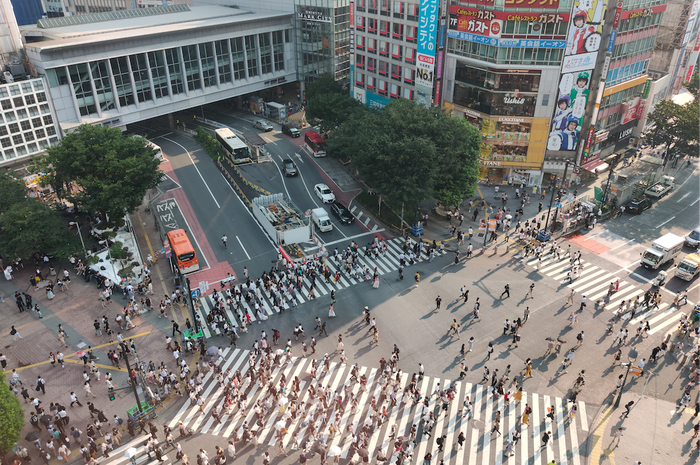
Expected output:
(425, 56)
(582, 45)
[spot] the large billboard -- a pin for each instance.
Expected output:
(537, 4)
(425, 57)
(580, 55)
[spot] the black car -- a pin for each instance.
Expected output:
(290, 169)
(290, 131)
(637, 206)
(342, 213)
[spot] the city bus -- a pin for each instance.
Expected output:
(159, 151)
(315, 143)
(183, 252)
(236, 149)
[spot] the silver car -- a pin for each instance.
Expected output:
(262, 125)
(692, 240)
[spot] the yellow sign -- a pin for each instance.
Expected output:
(492, 225)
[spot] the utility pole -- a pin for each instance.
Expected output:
(132, 381)
(186, 285)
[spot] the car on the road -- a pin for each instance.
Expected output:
(290, 169)
(324, 193)
(343, 214)
(290, 131)
(693, 239)
(262, 125)
(637, 206)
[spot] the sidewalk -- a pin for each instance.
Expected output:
(654, 432)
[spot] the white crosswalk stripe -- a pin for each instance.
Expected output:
(593, 282)
(480, 447)
(385, 264)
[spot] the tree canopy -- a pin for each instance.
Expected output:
(11, 417)
(29, 224)
(329, 103)
(677, 125)
(409, 152)
(98, 169)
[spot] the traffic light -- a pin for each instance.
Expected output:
(111, 395)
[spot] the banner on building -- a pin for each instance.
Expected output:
(517, 3)
(580, 55)
(425, 56)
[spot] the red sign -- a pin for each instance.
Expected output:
(697, 44)
(690, 73)
(589, 139)
(618, 15)
(438, 88)
(643, 12)
(518, 3)
(506, 16)
(629, 110)
(352, 14)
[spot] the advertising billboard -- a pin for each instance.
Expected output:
(425, 57)
(582, 45)
(517, 3)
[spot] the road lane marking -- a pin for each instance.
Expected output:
(665, 222)
(244, 250)
(195, 167)
(682, 198)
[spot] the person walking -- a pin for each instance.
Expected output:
(532, 288)
(15, 333)
(224, 240)
(438, 301)
(506, 290)
(545, 438)
(617, 435)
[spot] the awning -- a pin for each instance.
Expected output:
(596, 165)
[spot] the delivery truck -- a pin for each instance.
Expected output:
(321, 219)
(662, 250)
(688, 268)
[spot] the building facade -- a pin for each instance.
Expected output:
(115, 71)
(58, 8)
(28, 11)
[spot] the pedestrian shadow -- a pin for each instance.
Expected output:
(562, 308)
(454, 364)
(446, 340)
(363, 350)
(455, 305)
(429, 314)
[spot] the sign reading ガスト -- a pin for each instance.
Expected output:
(427, 43)
(517, 3)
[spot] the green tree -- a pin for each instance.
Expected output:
(11, 417)
(98, 169)
(32, 225)
(677, 125)
(328, 102)
(13, 190)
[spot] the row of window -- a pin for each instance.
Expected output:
(397, 9)
(505, 55)
(382, 87)
(634, 24)
(125, 80)
(621, 97)
(22, 113)
(25, 87)
(386, 28)
(26, 125)
(383, 68)
(385, 49)
(633, 48)
(10, 152)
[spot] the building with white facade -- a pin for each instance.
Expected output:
(122, 67)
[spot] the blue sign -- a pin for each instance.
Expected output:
(611, 42)
(516, 43)
(427, 27)
(558, 205)
(376, 101)
(195, 293)
(442, 35)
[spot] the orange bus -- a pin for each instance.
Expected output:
(183, 252)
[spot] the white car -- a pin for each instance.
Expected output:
(263, 125)
(324, 193)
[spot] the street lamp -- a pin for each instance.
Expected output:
(632, 358)
(109, 254)
(77, 226)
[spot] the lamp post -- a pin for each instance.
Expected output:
(632, 358)
(109, 254)
(77, 226)
(125, 352)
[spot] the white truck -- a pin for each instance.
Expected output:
(661, 188)
(321, 219)
(688, 268)
(662, 250)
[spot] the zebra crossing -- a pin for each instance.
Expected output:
(593, 282)
(384, 263)
(481, 447)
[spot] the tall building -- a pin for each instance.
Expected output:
(28, 11)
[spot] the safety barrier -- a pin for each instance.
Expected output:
(235, 185)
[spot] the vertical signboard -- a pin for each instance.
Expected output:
(425, 57)
(582, 45)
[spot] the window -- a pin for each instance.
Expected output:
(36, 122)
(395, 91)
(360, 61)
(408, 75)
(139, 69)
(360, 5)
(384, 7)
(223, 61)
(265, 53)
(6, 142)
(410, 55)
(48, 120)
(206, 56)
(278, 50)
(32, 147)
(6, 104)
(359, 79)
(38, 85)
(40, 133)
(26, 125)
(369, 82)
(396, 51)
(252, 56)
(29, 99)
(382, 87)
(372, 25)
(80, 79)
(360, 42)
(413, 11)
(26, 87)
(120, 71)
(384, 28)
(103, 86)
(40, 97)
(384, 48)
(238, 58)
(29, 136)
(51, 130)
(383, 68)
(172, 58)
(44, 108)
(3, 130)
(17, 139)
(372, 6)
(191, 64)
(397, 31)
(371, 64)
(14, 90)
(399, 9)
(43, 144)
(10, 116)
(156, 61)
(10, 153)
(14, 128)
(371, 45)
(411, 34)
(21, 150)
(360, 22)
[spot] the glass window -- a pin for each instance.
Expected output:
(175, 70)
(26, 125)
(6, 104)
(43, 144)
(22, 114)
(139, 70)
(51, 131)
(40, 97)
(48, 120)
(14, 128)
(14, 90)
(26, 87)
(191, 62)
(28, 136)
(44, 109)
(122, 79)
(156, 61)
(36, 122)
(21, 150)
(38, 85)
(103, 86)
(17, 139)
(3, 92)
(206, 55)
(3, 131)
(251, 55)
(32, 147)
(278, 50)
(57, 76)
(10, 116)
(6, 142)
(224, 61)
(40, 133)
(29, 99)
(9, 153)
(265, 53)
(238, 55)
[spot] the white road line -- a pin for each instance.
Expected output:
(352, 237)
(244, 250)
(195, 167)
(665, 222)
(582, 414)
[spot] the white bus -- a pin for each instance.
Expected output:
(159, 151)
(233, 145)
